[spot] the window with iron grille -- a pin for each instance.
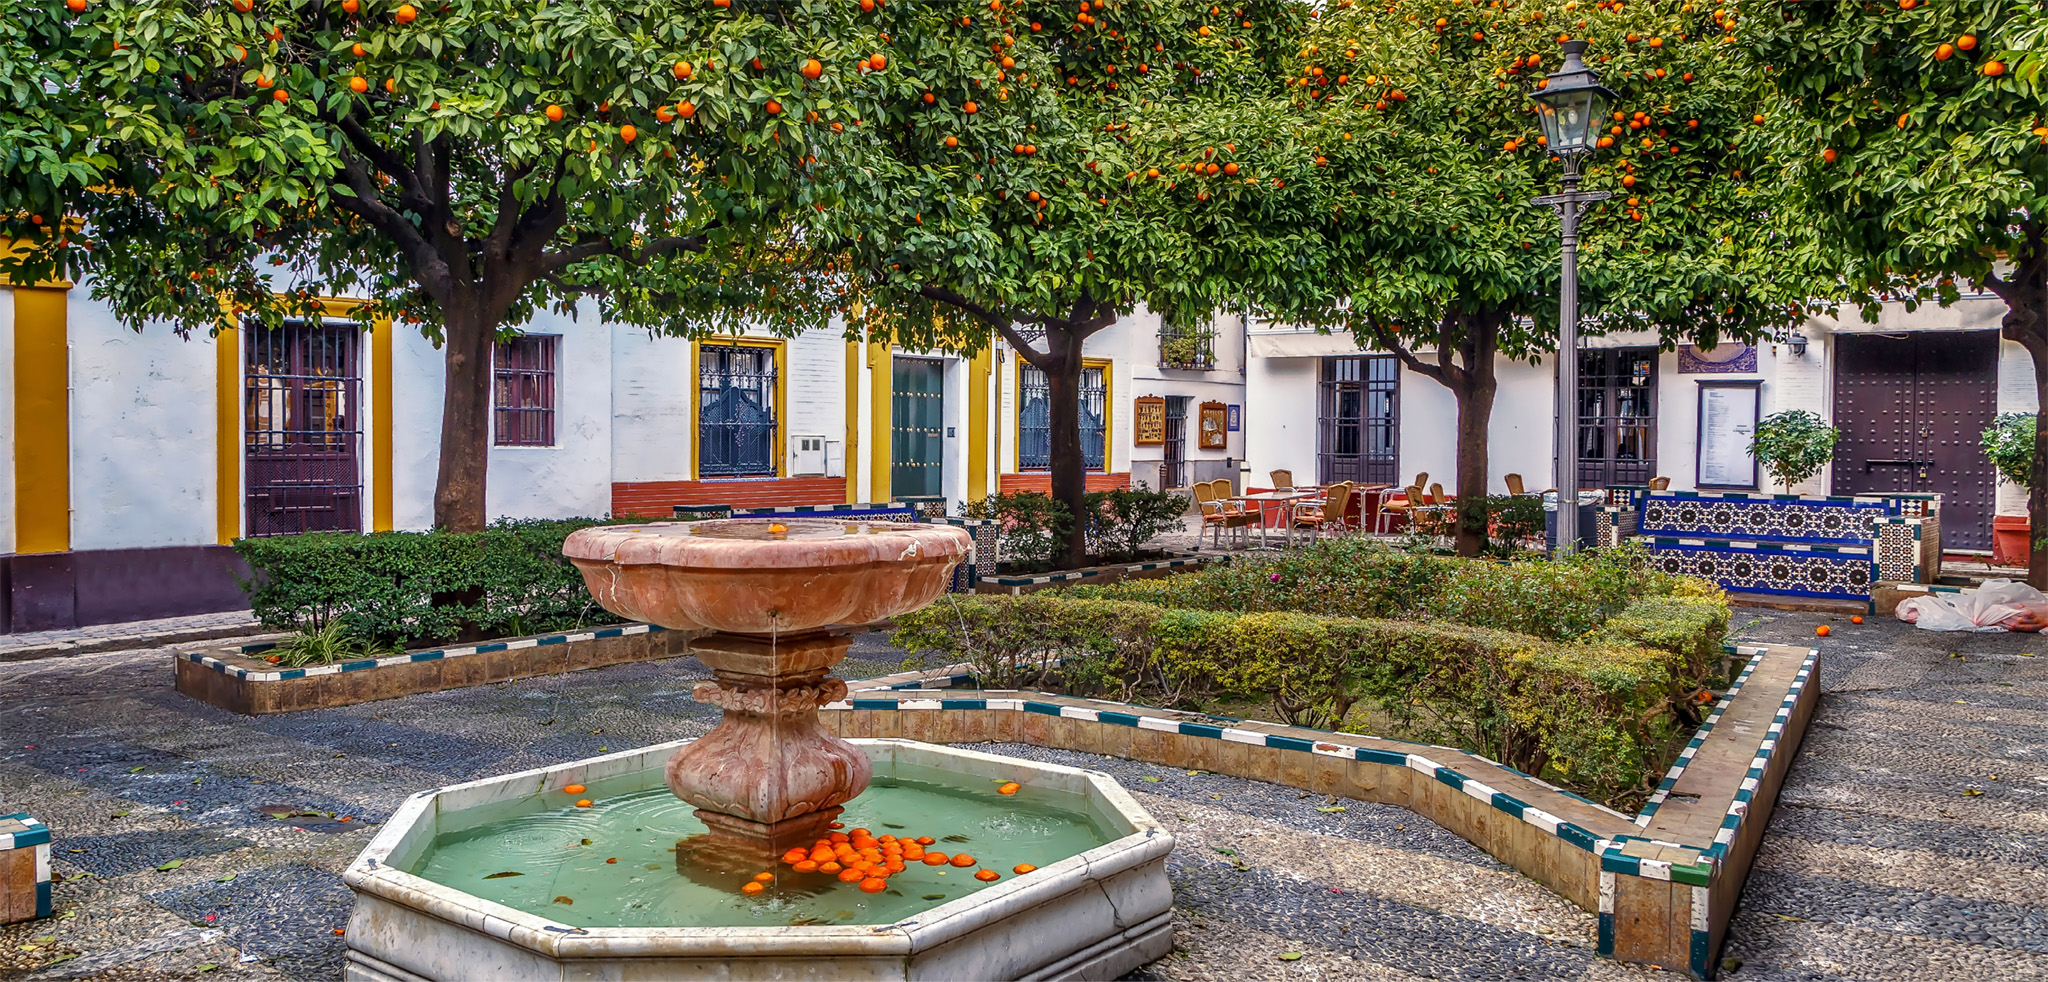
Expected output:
(1034, 418)
(736, 423)
(1358, 425)
(1617, 416)
(1183, 346)
(301, 432)
(523, 391)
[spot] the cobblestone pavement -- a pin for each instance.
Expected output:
(133, 634)
(1878, 866)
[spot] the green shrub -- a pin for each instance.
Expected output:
(505, 581)
(1515, 519)
(1793, 445)
(1556, 600)
(1123, 520)
(1032, 526)
(2009, 444)
(1601, 718)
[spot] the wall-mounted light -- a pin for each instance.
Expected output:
(1797, 342)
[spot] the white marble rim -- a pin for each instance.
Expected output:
(372, 873)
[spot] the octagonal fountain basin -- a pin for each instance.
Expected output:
(507, 878)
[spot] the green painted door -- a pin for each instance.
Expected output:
(917, 429)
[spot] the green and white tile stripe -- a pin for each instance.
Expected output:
(438, 654)
(34, 836)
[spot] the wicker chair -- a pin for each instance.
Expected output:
(1329, 514)
(1283, 480)
(1217, 513)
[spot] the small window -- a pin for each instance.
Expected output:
(523, 391)
(736, 410)
(1034, 419)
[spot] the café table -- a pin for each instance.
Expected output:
(1286, 499)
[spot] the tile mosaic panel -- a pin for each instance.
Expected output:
(1746, 568)
(1844, 521)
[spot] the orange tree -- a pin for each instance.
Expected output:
(462, 164)
(1919, 134)
(1419, 117)
(1034, 170)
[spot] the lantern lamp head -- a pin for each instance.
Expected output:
(1571, 104)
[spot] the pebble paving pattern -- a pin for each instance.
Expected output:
(1877, 866)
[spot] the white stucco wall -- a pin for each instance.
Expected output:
(142, 433)
(1280, 416)
(570, 479)
(1225, 383)
(654, 400)
(2016, 394)
(6, 420)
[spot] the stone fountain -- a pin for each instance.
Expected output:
(779, 599)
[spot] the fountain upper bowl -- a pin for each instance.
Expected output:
(761, 576)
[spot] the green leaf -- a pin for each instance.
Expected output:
(173, 864)
(1290, 956)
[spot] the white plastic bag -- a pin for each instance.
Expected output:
(1987, 608)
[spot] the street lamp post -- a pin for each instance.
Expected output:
(1571, 103)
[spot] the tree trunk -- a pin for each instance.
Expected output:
(1475, 415)
(1069, 470)
(465, 423)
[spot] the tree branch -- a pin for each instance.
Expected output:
(411, 195)
(429, 268)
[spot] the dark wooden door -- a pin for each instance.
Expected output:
(300, 428)
(917, 428)
(1912, 409)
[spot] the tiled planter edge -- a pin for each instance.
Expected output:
(1664, 883)
(236, 680)
(24, 869)
(1092, 574)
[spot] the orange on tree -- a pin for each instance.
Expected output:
(682, 70)
(366, 225)
(1969, 238)
(553, 113)
(812, 69)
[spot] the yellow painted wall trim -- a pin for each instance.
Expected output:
(227, 439)
(881, 393)
(977, 425)
(382, 425)
(849, 457)
(1108, 367)
(777, 450)
(42, 420)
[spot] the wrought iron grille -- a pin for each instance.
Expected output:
(736, 422)
(1034, 419)
(523, 391)
(1173, 472)
(1617, 416)
(1358, 425)
(300, 431)
(1186, 347)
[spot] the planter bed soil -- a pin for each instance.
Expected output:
(239, 680)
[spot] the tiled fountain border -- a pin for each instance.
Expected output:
(1664, 883)
(235, 680)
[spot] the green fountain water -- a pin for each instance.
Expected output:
(615, 864)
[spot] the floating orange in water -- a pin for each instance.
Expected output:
(764, 877)
(614, 861)
(925, 840)
(753, 887)
(962, 860)
(584, 803)
(987, 875)
(574, 789)
(836, 825)
(829, 867)
(806, 867)
(935, 859)
(852, 875)
(1010, 788)
(874, 884)
(1022, 868)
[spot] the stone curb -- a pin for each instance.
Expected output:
(125, 642)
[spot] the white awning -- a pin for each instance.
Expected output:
(1301, 344)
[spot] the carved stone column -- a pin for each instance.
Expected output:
(769, 776)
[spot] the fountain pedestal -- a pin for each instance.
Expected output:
(768, 776)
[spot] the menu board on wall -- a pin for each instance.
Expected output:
(1214, 420)
(1150, 428)
(1727, 423)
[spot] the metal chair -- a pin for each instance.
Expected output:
(1216, 513)
(1328, 513)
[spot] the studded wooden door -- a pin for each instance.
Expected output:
(917, 428)
(1912, 409)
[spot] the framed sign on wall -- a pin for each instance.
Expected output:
(1727, 423)
(1215, 426)
(1149, 428)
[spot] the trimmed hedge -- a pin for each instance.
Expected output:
(1602, 718)
(383, 588)
(1559, 600)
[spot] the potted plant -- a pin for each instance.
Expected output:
(1793, 445)
(2009, 444)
